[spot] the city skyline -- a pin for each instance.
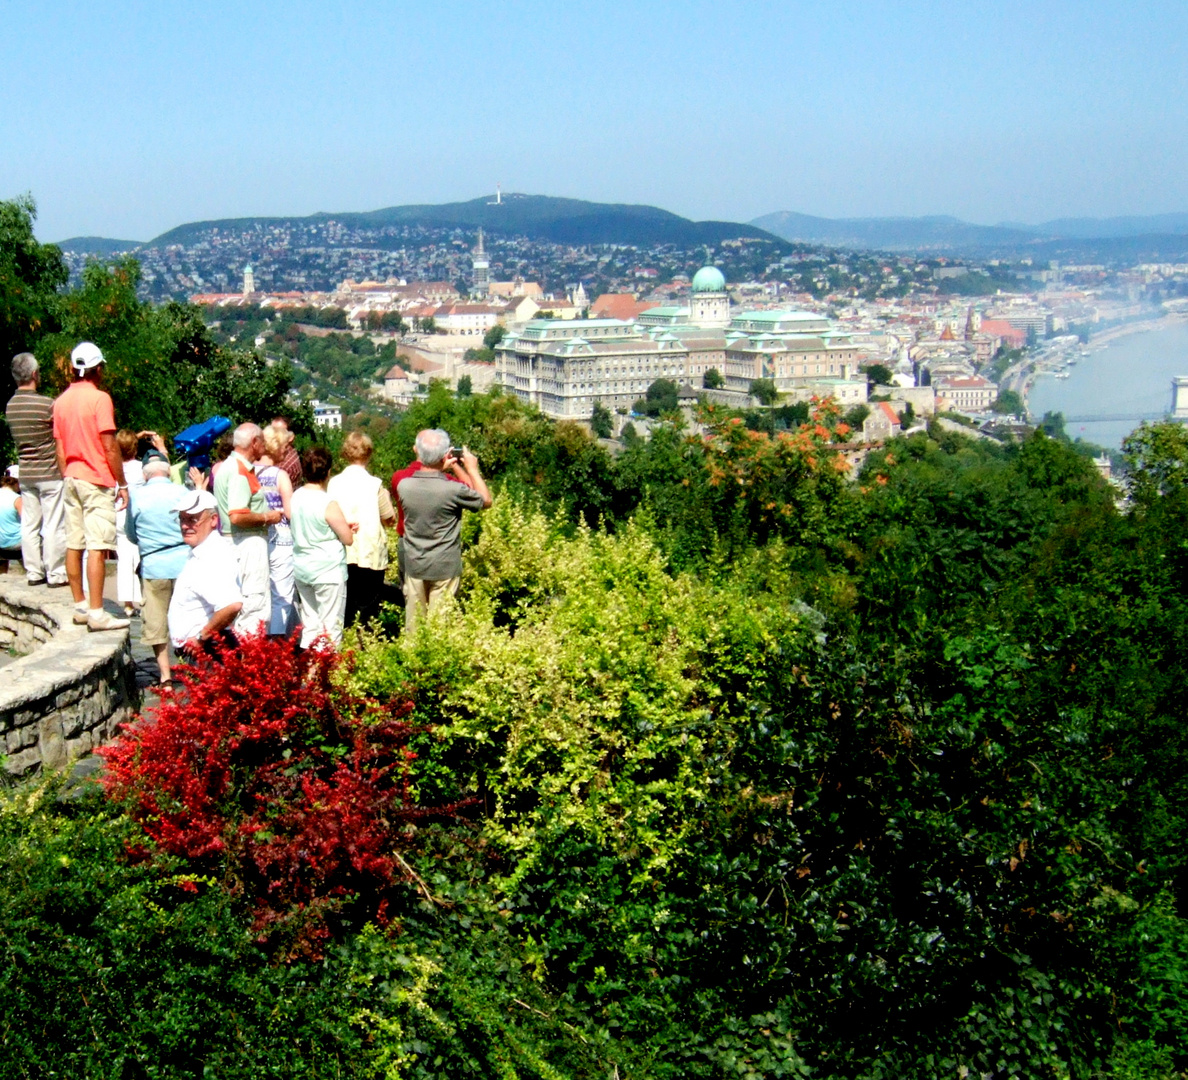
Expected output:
(126, 124)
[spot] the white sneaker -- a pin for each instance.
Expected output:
(101, 620)
(81, 613)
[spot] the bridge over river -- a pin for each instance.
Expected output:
(1077, 418)
(1129, 410)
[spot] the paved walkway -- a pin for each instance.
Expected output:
(146, 664)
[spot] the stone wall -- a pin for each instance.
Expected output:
(70, 692)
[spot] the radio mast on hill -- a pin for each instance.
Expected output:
(498, 197)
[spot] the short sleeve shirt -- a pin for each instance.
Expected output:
(236, 487)
(319, 557)
(400, 474)
(433, 505)
(10, 520)
(82, 414)
(208, 582)
(152, 525)
(30, 417)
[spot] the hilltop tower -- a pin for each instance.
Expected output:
(709, 304)
(249, 281)
(481, 266)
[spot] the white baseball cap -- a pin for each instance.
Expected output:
(86, 355)
(194, 502)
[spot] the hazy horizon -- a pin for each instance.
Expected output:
(127, 123)
(366, 209)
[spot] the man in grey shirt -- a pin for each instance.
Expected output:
(433, 506)
(30, 417)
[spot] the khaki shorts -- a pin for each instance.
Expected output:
(90, 516)
(154, 616)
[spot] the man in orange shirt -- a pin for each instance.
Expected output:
(92, 468)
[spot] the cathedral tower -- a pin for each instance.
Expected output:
(481, 265)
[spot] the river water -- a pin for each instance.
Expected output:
(1131, 374)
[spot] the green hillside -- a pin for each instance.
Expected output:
(97, 245)
(541, 217)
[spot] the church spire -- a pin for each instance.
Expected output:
(481, 266)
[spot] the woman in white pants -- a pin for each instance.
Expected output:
(128, 590)
(321, 536)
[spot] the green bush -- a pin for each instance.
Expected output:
(782, 772)
(707, 821)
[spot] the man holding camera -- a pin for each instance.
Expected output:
(432, 506)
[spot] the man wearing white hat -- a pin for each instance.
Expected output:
(206, 595)
(92, 469)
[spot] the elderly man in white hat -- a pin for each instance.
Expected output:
(92, 469)
(206, 595)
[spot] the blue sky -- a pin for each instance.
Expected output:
(126, 119)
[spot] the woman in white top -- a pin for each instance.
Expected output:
(128, 590)
(364, 499)
(321, 536)
(278, 490)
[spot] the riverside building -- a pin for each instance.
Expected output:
(566, 368)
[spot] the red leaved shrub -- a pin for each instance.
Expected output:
(295, 789)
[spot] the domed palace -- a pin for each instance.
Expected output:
(566, 368)
(709, 303)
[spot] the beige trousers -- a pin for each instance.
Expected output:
(420, 594)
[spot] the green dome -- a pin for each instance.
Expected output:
(709, 279)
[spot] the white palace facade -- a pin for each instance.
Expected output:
(566, 368)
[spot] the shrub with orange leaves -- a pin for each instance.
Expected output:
(775, 483)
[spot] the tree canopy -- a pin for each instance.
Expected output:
(879, 374)
(764, 391)
(749, 766)
(1010, 403)
(162, 367)
(662, 397)
(31, 273)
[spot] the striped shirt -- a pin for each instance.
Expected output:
(30, 418)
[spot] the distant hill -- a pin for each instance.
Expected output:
(97, 245)
(1158, 236)
(540, 217)
(889, 234)
(1113, 228)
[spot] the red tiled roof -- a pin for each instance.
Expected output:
(465, 309)
(962, 382)
(619, 306)
(1003, 329)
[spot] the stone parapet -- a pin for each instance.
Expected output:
(69, 692)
